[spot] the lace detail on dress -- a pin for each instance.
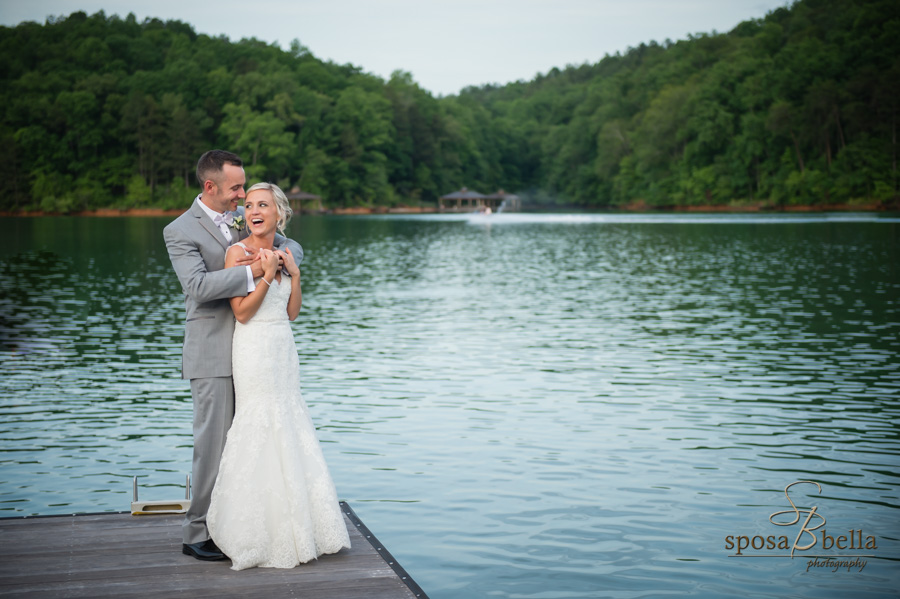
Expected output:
(274, 503)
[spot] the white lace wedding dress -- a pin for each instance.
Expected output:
(274, 503)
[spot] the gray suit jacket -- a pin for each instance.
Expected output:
(197, 250)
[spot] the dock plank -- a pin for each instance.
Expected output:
(120, 555)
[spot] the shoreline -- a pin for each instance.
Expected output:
(362, 210)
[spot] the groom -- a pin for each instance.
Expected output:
(197, 241)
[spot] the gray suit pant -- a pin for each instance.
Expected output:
(213, 413)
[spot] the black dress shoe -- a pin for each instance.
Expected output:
(205, 550)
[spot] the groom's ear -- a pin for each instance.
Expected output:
(209, 186)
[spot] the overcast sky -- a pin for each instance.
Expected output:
(446, 45)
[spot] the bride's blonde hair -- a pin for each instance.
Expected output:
(281, 203)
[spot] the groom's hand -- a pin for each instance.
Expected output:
(248, 259)
(251, 259)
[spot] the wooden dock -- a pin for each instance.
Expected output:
(120, 555)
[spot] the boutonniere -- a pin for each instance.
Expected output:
(237, 222)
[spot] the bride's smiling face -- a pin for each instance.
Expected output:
(261, 212)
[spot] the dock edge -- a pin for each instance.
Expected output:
(389, 559)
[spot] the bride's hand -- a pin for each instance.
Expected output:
(269, 261)
(289, 264)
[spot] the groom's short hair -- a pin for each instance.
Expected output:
(212, 163)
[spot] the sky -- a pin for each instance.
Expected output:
(445, 45)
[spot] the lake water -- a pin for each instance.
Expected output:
(534, 406)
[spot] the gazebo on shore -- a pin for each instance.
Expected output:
(296, 197)
(468, 200)
(464, 199)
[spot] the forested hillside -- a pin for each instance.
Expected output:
(799, 107)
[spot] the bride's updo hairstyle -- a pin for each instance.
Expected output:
(281, 203)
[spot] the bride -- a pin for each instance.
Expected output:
(274, 503)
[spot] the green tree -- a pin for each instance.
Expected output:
(260, 137)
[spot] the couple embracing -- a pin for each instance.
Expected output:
(262, 494)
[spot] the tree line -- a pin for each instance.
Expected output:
(797, 108)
